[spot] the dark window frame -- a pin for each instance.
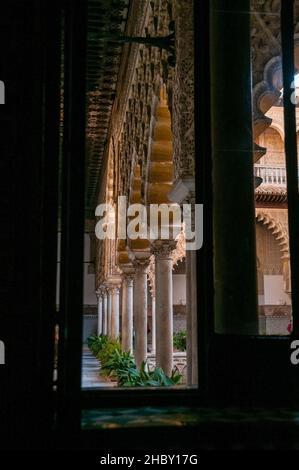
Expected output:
(71, 399)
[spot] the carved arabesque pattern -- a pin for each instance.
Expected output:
(266, 60)
(183, 90)
(277, 227)
(145, 71)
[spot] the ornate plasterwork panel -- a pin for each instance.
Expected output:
(183, 90)
(142, 73)
(265, 35)
(276, 220)
(150, 71)
(268, 251)
(266, 60)
(133, 120)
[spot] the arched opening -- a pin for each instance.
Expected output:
(271, 199)
(274, 300)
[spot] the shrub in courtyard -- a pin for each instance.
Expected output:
(122, 366)
(151, 378)
(117, 362)
(96, 343)
(106, 353)
(180, 340)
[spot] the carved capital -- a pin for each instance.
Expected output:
(163, 249)
(115, 290)
(141, 266)
(104, 293)
(128, 278)
(97, 293)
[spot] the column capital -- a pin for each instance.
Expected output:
(128, 277)
(109, 289)
(112, 283)
(115, 289)
(141, 268)
(99, 292)
(141, 265)
(163, 248)
(127, 272)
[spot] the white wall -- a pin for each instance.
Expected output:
(179, 289)
(274, 291)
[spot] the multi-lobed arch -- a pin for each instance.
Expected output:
(266, 93)
(276, 228)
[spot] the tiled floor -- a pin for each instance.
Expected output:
(91, 372)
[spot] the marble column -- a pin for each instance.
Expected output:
(140, 312)
(153, 324)
(115, 313)
(100, 312)
(109, 310)
(127, 313)
(164, 305)
(105, 313)
(183, 192)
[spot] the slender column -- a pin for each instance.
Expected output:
(232, 157)
(140, 312)
(105, 313)
(100, 310)
(153, 324)
(115, 313)
(164, 308)
(109, 310)
(127, 313)
(183, 192)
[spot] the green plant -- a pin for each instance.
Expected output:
(180, 340)
(128, 377)
(97, 343)
(107, 353)
(120, 364)
(152, 378)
